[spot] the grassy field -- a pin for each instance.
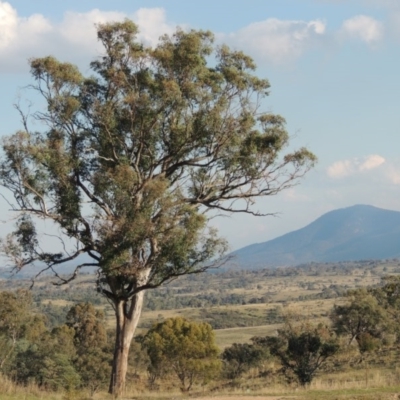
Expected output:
(225, 337)
(381, 386)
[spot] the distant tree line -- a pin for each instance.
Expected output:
(209, 289)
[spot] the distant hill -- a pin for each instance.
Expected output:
(29, 271)
(360, 232)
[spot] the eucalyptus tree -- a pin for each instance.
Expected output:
(131, 162)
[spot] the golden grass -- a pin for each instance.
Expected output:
(58, 302)
(314, 310)
(226, 337)
(378, 384)
(10, 391)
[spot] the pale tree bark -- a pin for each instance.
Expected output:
(127, 316)
(128, 309)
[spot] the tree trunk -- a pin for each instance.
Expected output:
(127, 314)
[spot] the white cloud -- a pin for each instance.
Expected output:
(392, 8)
(363, 27)
(340, 169)
(79, 28)
(8, 22)
(277, 40)
(73, 39)
(344, 168)
(393, 172)
(394, 176)
(23, 30)
(371, 162)
(153, 24)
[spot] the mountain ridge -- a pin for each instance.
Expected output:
(352, 233)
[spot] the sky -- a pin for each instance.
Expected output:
(333, 66)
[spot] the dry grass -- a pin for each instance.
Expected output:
(226, 337)
(362, 379)
(313, 310)
(351, 385)
(10, 391)
(58, 302)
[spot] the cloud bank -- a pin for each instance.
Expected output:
(392, 173)
(344, 168)
(278, 40)
(74, 38)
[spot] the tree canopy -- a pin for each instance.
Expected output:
(128, 162)
(92, 359)
(240, 357)
(361, 318)
(302, 350)
(184, 347)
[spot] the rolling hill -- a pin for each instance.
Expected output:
(360, 232)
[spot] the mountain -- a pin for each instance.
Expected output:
(360, 232)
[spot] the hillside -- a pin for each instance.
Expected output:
(359, 232)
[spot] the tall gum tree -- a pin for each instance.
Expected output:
(132, 161)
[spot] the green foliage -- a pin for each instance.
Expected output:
(362, 319)
(388, 298)
(389, 294)
(93, 352)
(240, 357)
(55, 315)
(48, 362)
(367, 343)
(70, 356)
(17, 321)
(302, 350)
(186, 348)
(88, 326)
(14, 312)
(126, 138)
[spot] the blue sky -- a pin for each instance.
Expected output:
(333, 66)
